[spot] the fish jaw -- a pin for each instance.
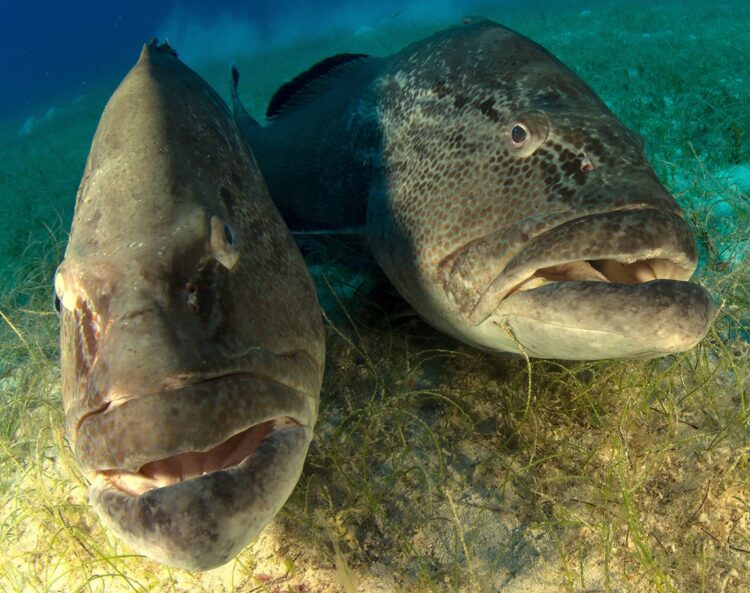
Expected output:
(131, 432)
(193, 499)
(607, 285)
(203, 522)
(591, 320)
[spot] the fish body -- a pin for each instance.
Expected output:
(191, 339)
(502, 198)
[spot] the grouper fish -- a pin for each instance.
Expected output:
(191, 338)
(501, 197)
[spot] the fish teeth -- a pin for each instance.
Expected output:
(532, 283)
(161, 473)
(131, 483)
(614, 271)
(668, 270)
(642, 272)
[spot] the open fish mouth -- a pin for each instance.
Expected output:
(605, 270)
(197, 509)
(189, 475)
(197, 426)
(189, 465)
(622, 247)
(608, 285)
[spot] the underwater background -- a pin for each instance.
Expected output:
(434, 467)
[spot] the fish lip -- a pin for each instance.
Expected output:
(502, 284)
(525, 232)
(172, 385)
(118, 480)
(231, 409)
(179, 382)
(595, 320)
(201, 523)
(293, 368)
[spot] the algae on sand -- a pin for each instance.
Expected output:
(436, 467)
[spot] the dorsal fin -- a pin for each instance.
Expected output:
(311, 83)
(242, 118)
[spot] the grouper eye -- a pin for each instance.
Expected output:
(527, 132)
(228, 234)
(224, 243)
(56, 305)
(61, 298)
(519, 135)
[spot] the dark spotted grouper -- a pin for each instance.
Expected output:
(192, 343)
(498, 193)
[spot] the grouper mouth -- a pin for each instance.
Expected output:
(200, 425)
(628, 246)
(604, 270)
(189, 474)
(615, 274)
(195, 464)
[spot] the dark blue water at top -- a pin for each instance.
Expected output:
(52, 47)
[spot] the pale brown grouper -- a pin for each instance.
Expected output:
(192, 342)
(498, 193)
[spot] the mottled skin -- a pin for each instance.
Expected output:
(480, 169)
(189, 324)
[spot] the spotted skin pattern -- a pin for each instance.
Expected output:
(188, 319)
(474, 160)
(450, 175)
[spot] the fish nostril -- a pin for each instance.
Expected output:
(191, 291)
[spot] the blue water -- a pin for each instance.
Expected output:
(53, 47)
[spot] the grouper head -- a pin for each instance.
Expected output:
(520, 214)
(191, 339)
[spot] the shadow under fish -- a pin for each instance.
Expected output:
(502, 198)
(192, 343)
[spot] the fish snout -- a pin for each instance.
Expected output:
(590, 320)
(108, 359)
(629, 267)
(204, 467)
(621, 247)
(203, 522)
